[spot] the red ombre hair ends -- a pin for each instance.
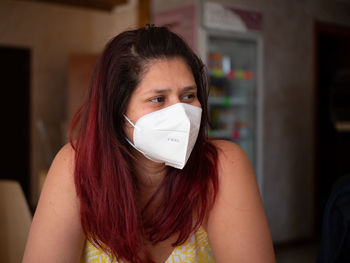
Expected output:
(104, 176)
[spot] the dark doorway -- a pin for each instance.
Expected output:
(332, 110)
(15, 112)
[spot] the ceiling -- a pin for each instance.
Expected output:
(106, 5)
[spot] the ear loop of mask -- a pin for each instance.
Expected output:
(129, 120)
(133, 145)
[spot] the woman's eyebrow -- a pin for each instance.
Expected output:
(158, 91)
(189, 88)
(162, 91)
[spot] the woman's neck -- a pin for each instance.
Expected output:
(149, 174)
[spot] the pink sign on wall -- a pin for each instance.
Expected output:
(181, 21)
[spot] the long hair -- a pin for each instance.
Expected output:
(104, 177)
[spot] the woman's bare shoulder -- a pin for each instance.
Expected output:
(65, 157)
(60, 177)
(230, 155)
(237, 226)
(61, 172)
(224, 144)
(236, 174)
(56, 231)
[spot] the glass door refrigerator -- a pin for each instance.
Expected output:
(235, 99)
(229, 41)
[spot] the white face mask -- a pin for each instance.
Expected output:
(168, 135)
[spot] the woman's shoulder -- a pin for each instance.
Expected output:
(63, 163)
(57, 217)
(230, 156)
(235, 172)
(66, 154)
(224, 145)
(237, 227)
(60, 179)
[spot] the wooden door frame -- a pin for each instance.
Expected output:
(144, 12)
(333, 30)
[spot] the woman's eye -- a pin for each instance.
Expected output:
(189, 97)
(157, 99)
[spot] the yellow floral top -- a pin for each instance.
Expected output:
(195, 249)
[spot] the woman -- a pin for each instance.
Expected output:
(141, 182)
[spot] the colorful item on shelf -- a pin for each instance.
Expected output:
(231, 74)
(239, 74)
(218, 73)
(216, 91)
(226, 65)
(226, 101)
(215, 118)
(244, 130)
(247, 74)
(235, 134)
(215, 60)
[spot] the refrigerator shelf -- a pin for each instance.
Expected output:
(229, 134)
(227, 101)
(243, 75)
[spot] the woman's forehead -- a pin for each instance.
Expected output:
(164, 74)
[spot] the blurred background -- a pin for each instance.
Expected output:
(279, 73)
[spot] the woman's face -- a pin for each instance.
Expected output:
(166, 82)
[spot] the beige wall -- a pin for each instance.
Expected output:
(53, 32)
(288, 105)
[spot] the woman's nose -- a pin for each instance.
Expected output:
(174, 100)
